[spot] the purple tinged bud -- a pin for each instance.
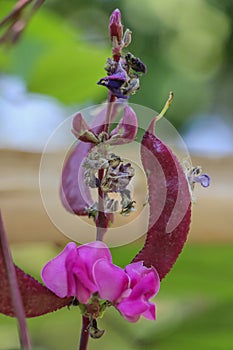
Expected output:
(115, 26)
(82, 131)
(126, 130)
(203, 179)
(127, 38)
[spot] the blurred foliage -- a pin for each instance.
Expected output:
(54, 60)
(187, 46)
(194, 307)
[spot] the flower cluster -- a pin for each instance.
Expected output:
(87, 271)
(123, 71)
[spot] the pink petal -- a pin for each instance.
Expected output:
(150, 313)
(162, 248)
(91, 252)
(79, 265)
(132, 310)
(147, 287)
(79, 282)
(126, 130)
(54, 273)
(83, 294)
(137, 272)
(111, 280)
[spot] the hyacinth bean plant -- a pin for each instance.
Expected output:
(85, 276)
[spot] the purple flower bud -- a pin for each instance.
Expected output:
(115, 26)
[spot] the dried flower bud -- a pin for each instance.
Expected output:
(115, 26)
(127, 38)
(135, 63)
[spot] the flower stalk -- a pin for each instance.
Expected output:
(14, 290)
(84, 334)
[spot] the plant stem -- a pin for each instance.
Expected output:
(84, 334)
(111, 100)
(14, 290)
(166, 106)
(102, 221)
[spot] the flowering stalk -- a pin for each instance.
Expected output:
(116, 29)
(85, 276)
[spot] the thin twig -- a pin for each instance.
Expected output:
(21, 4)
(18, 20)
(14, 290)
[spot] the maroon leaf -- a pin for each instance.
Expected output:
(37, 299)
(170, 204)
(74, 193)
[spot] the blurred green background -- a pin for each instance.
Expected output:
(187, 46)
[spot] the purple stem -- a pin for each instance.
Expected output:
(84, 334)
(14, 289)
(101, 219)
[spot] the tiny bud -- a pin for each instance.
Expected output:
(127, 38)
(115, 26)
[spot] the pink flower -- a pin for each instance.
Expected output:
(144, 284)
(82, 271)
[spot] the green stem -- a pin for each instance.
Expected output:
(166, 106)
(84, 334)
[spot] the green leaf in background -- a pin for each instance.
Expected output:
(54, 60)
